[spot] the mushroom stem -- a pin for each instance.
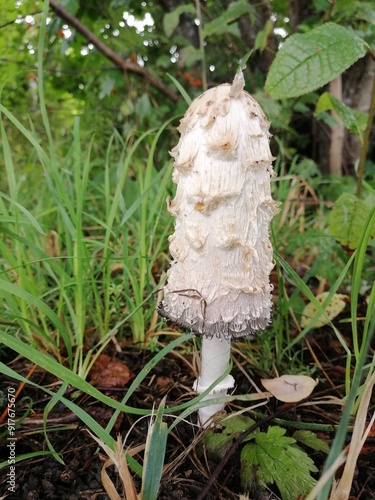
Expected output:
(214, 363)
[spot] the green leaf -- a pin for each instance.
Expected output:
(310, 439)
(218, 441)
(262, 36)
(220, 25)
(154, 455)
(355, 121)
(171, 20)
(190, 55)
(310, 60)
(348, 217)
(28, 216)
(106, 87)
(71, 5)
(352, 10)
(143, 106)
(275, 458)
(127, 107)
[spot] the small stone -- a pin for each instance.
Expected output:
(67, 476)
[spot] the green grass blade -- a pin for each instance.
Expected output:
(301, 285)
(43, 307)
(181, 89)
(156, 444)
(29, 218)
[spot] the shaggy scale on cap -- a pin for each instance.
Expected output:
(218, 282)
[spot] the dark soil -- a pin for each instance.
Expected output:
(187, 467)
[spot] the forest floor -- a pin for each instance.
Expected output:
(188, 469)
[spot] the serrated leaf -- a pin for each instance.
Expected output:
(171, 19)
(334, 307)
(218, 441)
(220, 25)
(347, 220)
(290, 388)
(310, 60)
(310, 439)
(355, 121)
(275, 458)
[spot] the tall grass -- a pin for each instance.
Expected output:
(97, 232)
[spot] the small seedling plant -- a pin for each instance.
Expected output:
(268, 457)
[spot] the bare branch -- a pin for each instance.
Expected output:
(121, 63)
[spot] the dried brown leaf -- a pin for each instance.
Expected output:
(290, 388)
(110, 372)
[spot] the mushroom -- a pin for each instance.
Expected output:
(218, 283)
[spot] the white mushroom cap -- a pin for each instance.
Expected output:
(218, 282)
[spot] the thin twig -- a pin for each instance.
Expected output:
(201, 44)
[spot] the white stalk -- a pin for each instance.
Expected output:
(215, 357)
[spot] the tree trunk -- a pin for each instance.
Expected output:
(337, 131)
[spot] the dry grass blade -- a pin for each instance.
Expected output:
(341, 491)
(326, 477)
(123, 470)
(118, 459)
(107, 482)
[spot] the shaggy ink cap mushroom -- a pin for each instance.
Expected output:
(218, 283)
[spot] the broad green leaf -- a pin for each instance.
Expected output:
(220, 25)
(348, 217)
(334, 307)
(355, 121)
(310, 60)
(275, 458)
(218, 442)
(171, 20)
(310, 439)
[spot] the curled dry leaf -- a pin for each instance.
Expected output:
(290, 388)
(334, 307)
